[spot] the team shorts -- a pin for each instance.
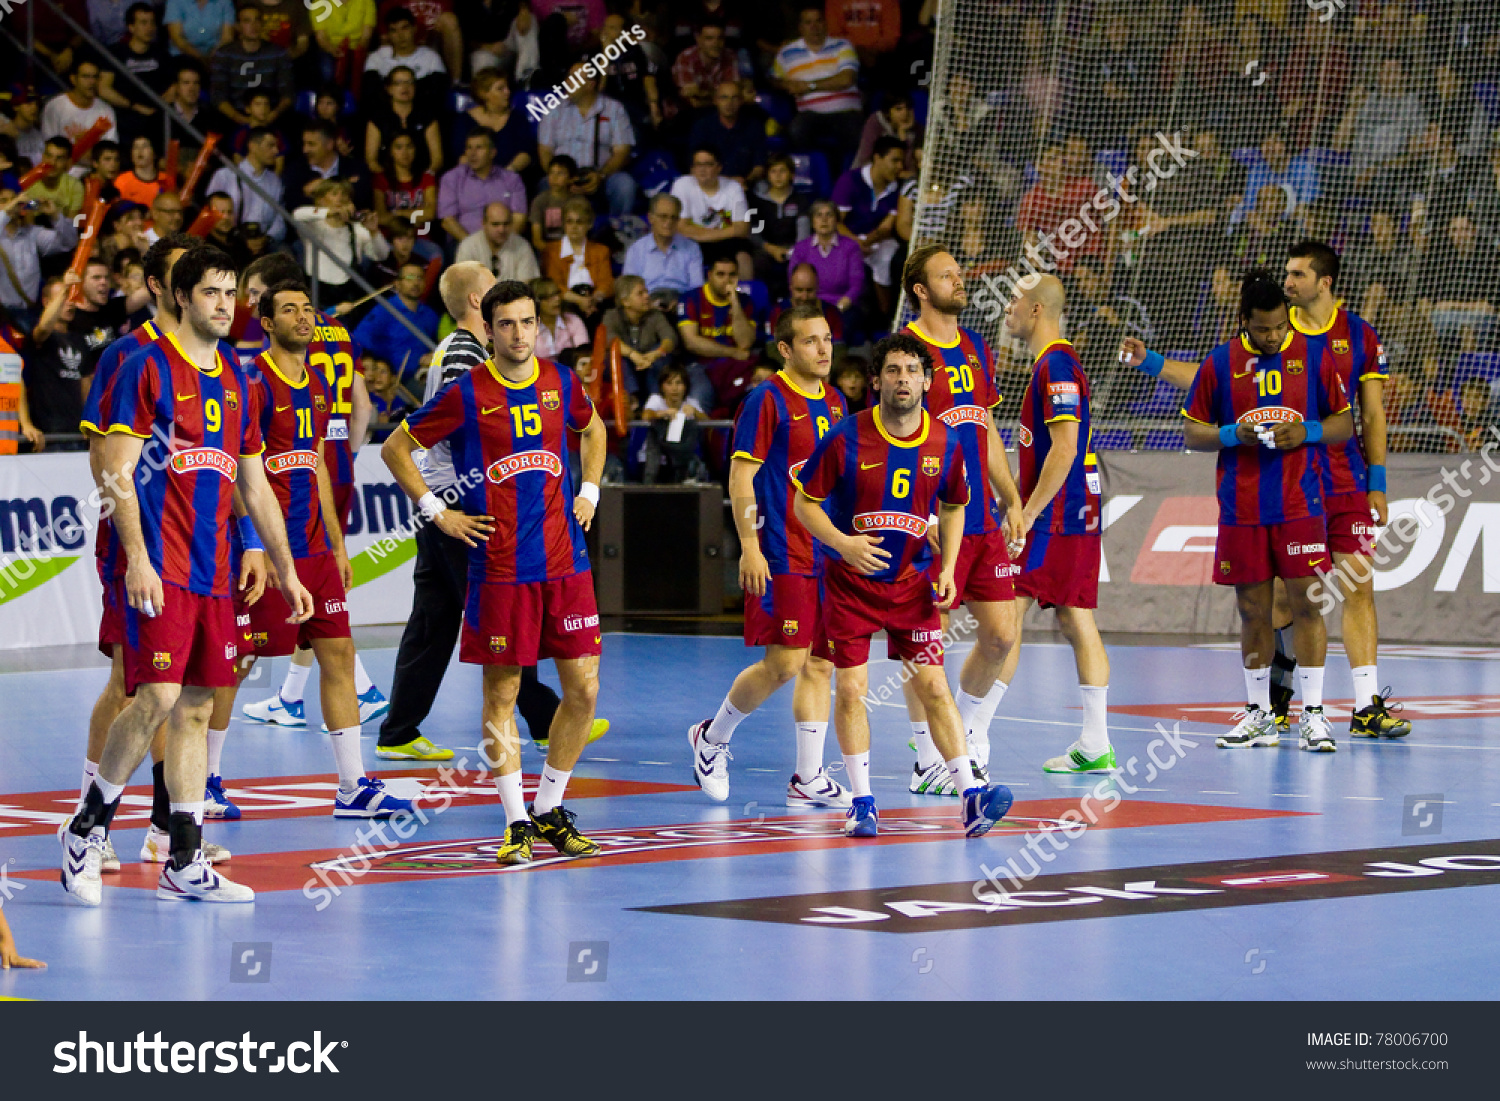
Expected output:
(112, 618)
(1351, 530)
(855, 607)
(787, 615)
(984, 572)
(518, 623)
(343, 502)
(192, 641)
(1248, 554)
(272, 636)
(1060, 571)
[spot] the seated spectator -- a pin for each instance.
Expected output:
(1054, 197)
(836, 258)
(24, 123)
(664, 258)
(144, 55)
(866, 198)
(329, 108)
(383, 336)
(897, 119)
(595, 131)
(471, 185)
(344, 32)
(1379, 127)
(23, 244)
(498, 247)
(106, 169)
(199, 27)
(166, 216)
(143, 181)
(285, 23)
(184, 101)
(249, 62)
(73, 113)
(515, 141)
(385, 273)
(390, 400)
(584, 17)
(1267, 231)
(484, 26)
(122, 231)
(223, 234)
(580, 266)
(632, 75)
(702, 67)
(645, 335)
(781, 212)
(1476, 410)
(320, 162)
(330, 222)
(672, 444)
(402, 194)
(804, 292)
(401, 115)
(401, 49)
(57, 185)
(821, 72)
(714, 211)
(720, 333)
(737, 137)
(547, 207)
(559, 332)
(851, 378)
(1274, 167)
(1460, 282)
(259, 165)
(261, 114)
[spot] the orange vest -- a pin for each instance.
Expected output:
(10, 398)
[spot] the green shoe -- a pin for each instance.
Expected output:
(1075, 761)
(418, 749)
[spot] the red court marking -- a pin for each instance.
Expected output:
(37, 812)
(1412, 707)
(414, 859)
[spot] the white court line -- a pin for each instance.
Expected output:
(663, 763)
(1288, 795)
(1367, 798)
(1207, 791)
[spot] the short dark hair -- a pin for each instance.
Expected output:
(672, 371)
(186, 65)
(56, 142)
(190, 269)
(244, 5)
(258, 132)
(481, 132)
(504, 293)
(274, 267)
(1325, 262)
(135, 10)
(155, 262)
(106, 146)
(320, 126)
(267, 305)
(903, 343)
(786, 324)
(407, 69)
(722, 259)
(566, 162)
(711, 21)
(399, 15)
(885, 144)
(1260, 290)
(402, 228)
(710, 150)
(915, 269)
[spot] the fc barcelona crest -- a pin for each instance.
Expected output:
(1224, 566)
(930, 465)
(973, 361)
(1340, 346)
(1294, 366)
(550, 399)
(318, 401)
(232, 398)
(162, 660)
(789, 626)
(497, 643)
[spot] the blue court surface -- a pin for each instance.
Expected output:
(1251, 874)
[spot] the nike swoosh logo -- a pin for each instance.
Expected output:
(1315, 561)
(803, 417)
(870, 466)
(1243, 373)
(186, 397)
(282, 408)
(492, 409)
(597, 637)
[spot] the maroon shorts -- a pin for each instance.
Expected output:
(787, 615)
(854, 608)
(343, 501)
(519, 623)
(1060, 571)
(1250, 554)
(189, 642)
(272, 636)
(984, 571)
(112, 619)
(1351, 530)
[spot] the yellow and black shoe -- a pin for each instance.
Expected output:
(517, 847)
(557, 829)
(1378, 720)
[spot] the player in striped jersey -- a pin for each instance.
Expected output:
(781, 566)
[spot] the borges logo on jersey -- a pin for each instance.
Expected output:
(521, 462)
(1024, 434)
(796, 469)
(292, 460)
(205, 458)
(962, 414)
(579, 622)
(1271, 414)
(891, 521)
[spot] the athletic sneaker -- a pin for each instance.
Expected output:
(1074, 759)
(1378, 720)
(369, 799)
(198, 882)
(276, 711)
(821, 791)
(557, 829)
(516, 848)
(80, 865)
(109, 863)
(1256, 728)
(1283, 724)
(157, 849)
(597, 731)
(863, 820)
(216, 804)
(980, 752)
(372, 705)
(710, 762)
(936, 780)
(985, 806)
(1315, 732)
(418, 749)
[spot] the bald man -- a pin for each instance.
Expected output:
(1059, 484)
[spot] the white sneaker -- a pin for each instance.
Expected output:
(277, 711)
(1315, 732)
(199, 882)
(936, 780)
(109, 863)
(1256, 728)
(710, 762)
(80, 865)
(821, 791)
(980, 751)
(157, 849)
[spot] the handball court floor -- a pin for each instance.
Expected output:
(1270, 873)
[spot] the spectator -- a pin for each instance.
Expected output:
(106, 168)
(143, 181)
(523, 44)
(321, 162)
(632, 76)
(1115, 76)
(484, 26)
(107, 20)
(22, 246)
(645, 335)
(719, 331)
(1460, 281)
(166, 215)
(383, 335)
(1266, 232)
(199, 27)
(866, 198)
(1378, 129)
(781, 211)
(515, 142)
(851, 378)
(57, 185)
(702, 67)
(836, 258)
(558, 331)
(1049, 201)
(1476, 409)
(897, 119)
(122, 231)
(74, 112)
(664, 258)
(285, 23)
(804, 292)
(714, 211)
(259, 167)
(331, 223)
(66, 344)
(390, 400)
(385, 273)
(184, 98)
(547, 207)
(402, 194)
(1378, 263)
(329, 108)
(1313, 82)
(402, 116)
(580, 266)
(499, 248)
(475, 182)
(144, 56)
(595, 131)
(1273, 167)
(401, 49)
(686, 17)
(736, 137)
(249, 62)
(223, 235)
(24, 124)
(821, 72)
(260, 113)
(344, 32)
(584, 17)
(672, 444)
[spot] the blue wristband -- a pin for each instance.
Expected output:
(1229, 435)
(249, 540)
(1153, 364)
(1314, 431)
(1375, 479)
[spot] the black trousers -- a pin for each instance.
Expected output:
(439, 584)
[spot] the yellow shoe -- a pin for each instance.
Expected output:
(516, 848)
(599, 729)
(418, 749)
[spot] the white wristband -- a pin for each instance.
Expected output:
(590, 493)
(430, 505)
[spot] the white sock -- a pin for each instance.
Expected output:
(1258, 687)
(810, 739)
(216, 750)
(295, 683)
(362, 681)
(927, 754)
(90, 770)
(722, 728)
(1366, 686)
(549, 792)
(1310, 685)
(1095, 737)
(962, 770)
(975, 712)
(858, 767)
(195, 809)
(111, 792)
(511, 796)
(347, 756)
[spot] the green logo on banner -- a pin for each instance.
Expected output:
(19, 578)
(381, 557)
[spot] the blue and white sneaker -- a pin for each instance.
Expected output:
(985, 806)
(369, 800)
(216, 804)
(863, 820)
(372, 705)
(276, 711)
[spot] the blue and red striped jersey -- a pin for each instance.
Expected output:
(185, 488)
(1059, 391)
(876, 484)
(293, 419)
(1257, 485)
(509, 447)
(778, 425)
(1357, 355)
(713, 318)
(962, 392)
